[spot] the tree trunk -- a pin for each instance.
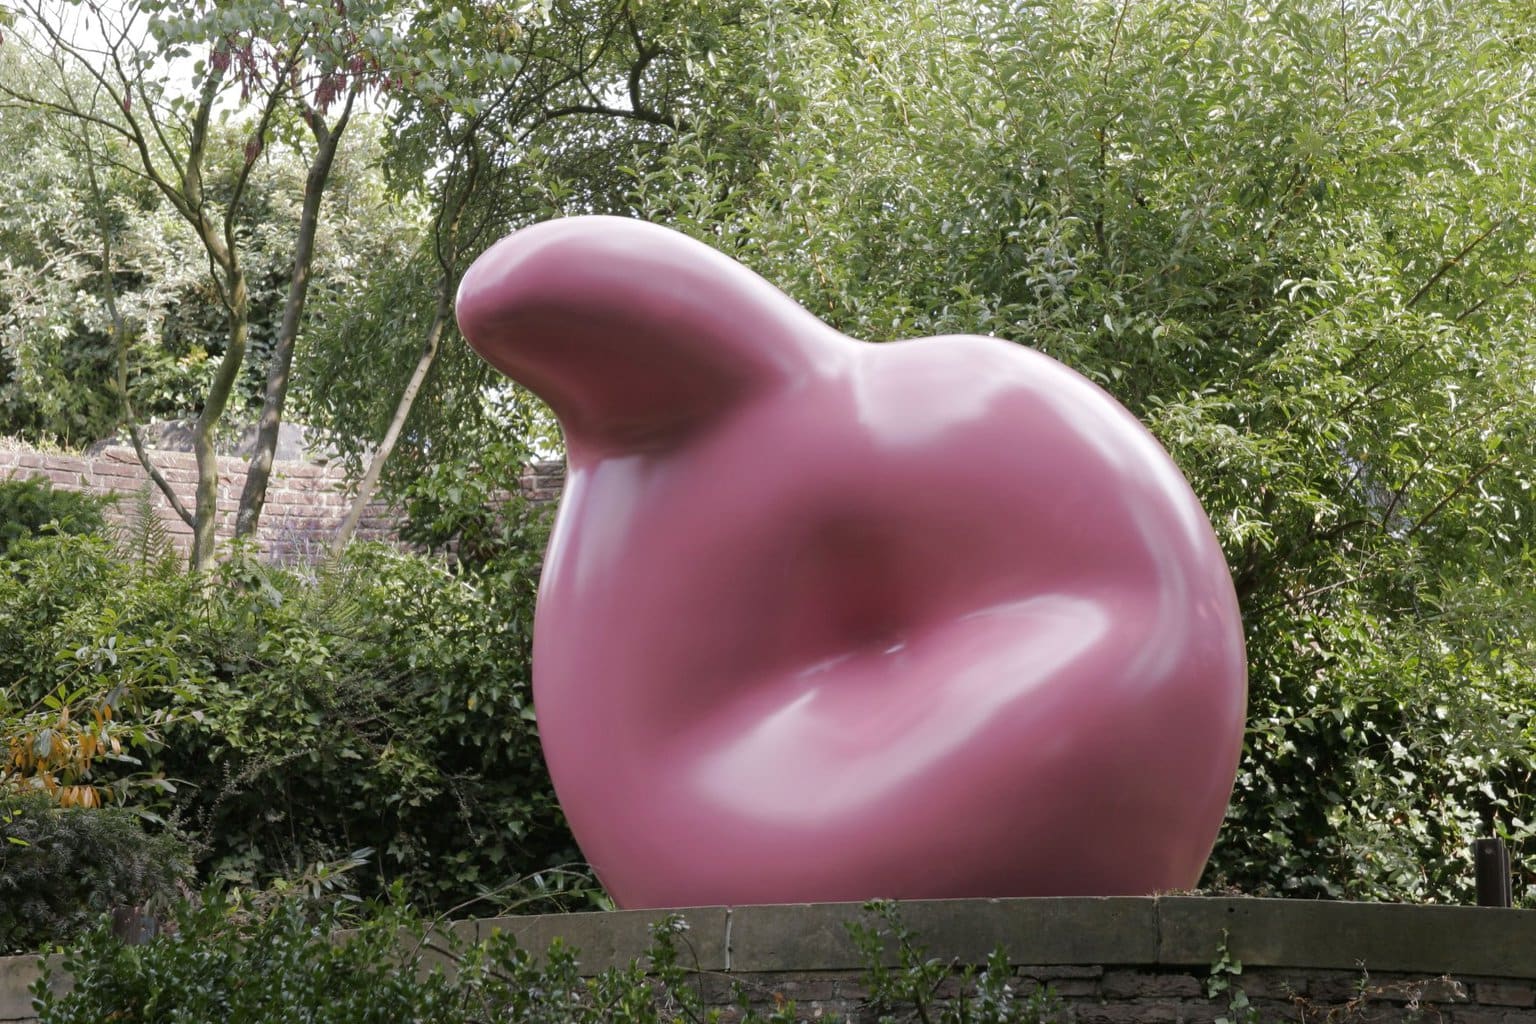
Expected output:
(429, 350)
(205, 514)
(253, 495)
(449, 219)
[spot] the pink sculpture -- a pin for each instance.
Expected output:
(827, 620)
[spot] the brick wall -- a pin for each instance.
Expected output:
(1096, 995)
(306, 501)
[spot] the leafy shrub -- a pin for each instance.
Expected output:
(31, 506)
(470, 508)
(61, 868)
(984, 995)
(290, 718)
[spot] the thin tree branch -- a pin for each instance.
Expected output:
(1480, 303)
(120, 336)
(647, 116)
(1456, 492)
(263, 125)
(1452, 262)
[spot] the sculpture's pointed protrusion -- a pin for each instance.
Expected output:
(632, 332)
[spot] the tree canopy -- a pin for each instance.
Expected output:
(1296, 240)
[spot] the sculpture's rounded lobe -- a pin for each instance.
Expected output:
(933, 618)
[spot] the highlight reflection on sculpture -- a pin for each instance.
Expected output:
(826, 620)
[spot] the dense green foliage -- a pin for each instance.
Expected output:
(596, 91)
(58, 359)
(32, 505)
(62, 868)
(287, 718)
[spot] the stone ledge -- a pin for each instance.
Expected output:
(17, 973)
(1169, 931)
(1375, 936)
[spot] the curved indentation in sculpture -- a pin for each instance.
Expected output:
(826, 620)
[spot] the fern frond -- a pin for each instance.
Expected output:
(141, 536)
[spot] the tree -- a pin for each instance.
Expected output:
(291, 68)
(58, 366)
(56, 359)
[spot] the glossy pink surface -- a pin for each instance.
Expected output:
(826, 620)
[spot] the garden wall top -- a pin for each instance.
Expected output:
(1165, 931)
(1496, 948)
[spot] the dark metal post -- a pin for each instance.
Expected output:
(1495, 888)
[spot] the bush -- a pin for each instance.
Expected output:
(61, 868)
(293, 717)
(464, 507)
(387, 705)
(31, 506)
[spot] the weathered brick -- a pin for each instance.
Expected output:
(1204, 1012)
(1141, 984)
(305, 502)
(808, 991)
(1489, 1015)
(1504, 993)
(852, 990)
(69, 464)
(1140, 1012)
(1416, 991)
(1272, 984)
(1291, 1010)
(1047, 971)
(116, 470)
(1336, 986)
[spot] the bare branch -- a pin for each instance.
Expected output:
(1480, 303)
(620, 113)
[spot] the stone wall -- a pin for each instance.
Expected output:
(1109, 961)
(306, 501)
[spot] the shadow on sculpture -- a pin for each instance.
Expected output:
(828, 620)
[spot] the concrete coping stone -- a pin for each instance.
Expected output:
(1167, 931)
